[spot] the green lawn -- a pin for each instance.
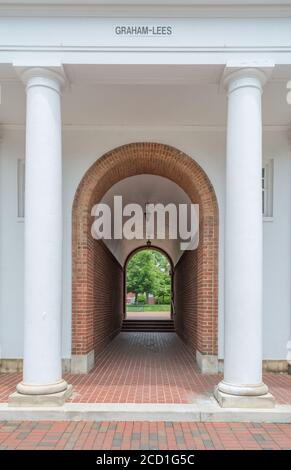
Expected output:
(148, 308)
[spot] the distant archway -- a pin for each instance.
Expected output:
(151, 248)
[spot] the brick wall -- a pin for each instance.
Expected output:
(200, 277)
(99, 315)
(196, 292)
(108, 296)
(185, 298)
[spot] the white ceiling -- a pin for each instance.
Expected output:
(143, 74)
(143, 189)
(161, 95)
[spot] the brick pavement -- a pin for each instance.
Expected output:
(143, 435)
(147, 368)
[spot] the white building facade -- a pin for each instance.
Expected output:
(78, 82)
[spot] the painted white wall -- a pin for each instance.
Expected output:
(11, 250)
(277, 251)
(81, 148)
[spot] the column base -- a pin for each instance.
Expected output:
(41, 389)
(50, 399)
(226, 400)
(243, 389)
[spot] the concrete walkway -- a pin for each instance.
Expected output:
(148, 315)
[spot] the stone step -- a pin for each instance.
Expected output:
(148, 325)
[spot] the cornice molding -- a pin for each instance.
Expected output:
(143, 49)
(178, 128)
(164, 9)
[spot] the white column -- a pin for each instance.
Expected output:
(42, 372)
(243, 242)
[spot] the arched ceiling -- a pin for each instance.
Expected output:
(144, 189)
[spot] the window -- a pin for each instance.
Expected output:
(267, 188)
(20, 188)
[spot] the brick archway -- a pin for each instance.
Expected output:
(94, 319)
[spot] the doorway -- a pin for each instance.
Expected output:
(148, 285)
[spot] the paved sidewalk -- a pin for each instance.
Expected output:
(143, 435)
(148, 315)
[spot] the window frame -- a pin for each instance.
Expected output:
(268, 189)
(20, 189)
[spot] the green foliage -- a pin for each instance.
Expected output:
(163, 299)
(148, 308)
(141, 298)
(148, 272)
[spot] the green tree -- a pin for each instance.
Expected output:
(162, 287)
(148, 272)
(141, 273)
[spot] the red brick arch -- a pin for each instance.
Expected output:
(196, 273)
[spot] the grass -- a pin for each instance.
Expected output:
(148, 308)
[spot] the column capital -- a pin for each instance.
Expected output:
(239, 75)
(50, 77)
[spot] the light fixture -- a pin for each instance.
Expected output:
(146, 213)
